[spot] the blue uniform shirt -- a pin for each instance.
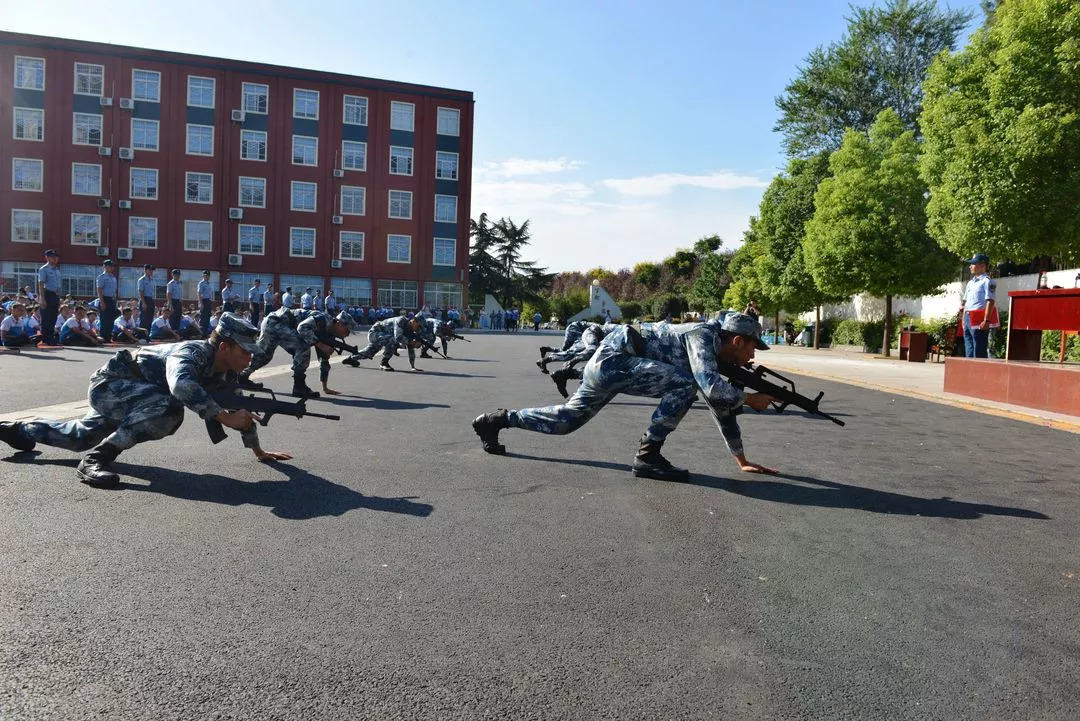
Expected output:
(147, 287)
(228, 294)
(106, 283)
(50, 276)
(268, 297)
(174, 289)
(979, 290)
(204, 290)
(255, 294)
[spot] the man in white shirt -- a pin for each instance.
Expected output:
(160, 328)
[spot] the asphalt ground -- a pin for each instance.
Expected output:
(920, 563)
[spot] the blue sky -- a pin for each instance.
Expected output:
(621, 130)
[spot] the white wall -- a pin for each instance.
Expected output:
(599, 304)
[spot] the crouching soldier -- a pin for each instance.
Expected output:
(433, 330)
(387, 335)
(141, 398)
(297, 330)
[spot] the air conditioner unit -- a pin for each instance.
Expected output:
(127, 153)
(236, 259)
(236, 213)
(104, 151)
(339, 173)
(338, 220)
(238, 116)
(106, 102)
(123, 253)
(335, 263)
(104, 203)
(125, 204)
(127, 104)
(103, 252)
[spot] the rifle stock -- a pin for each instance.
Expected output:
(231, 398)
(338, 345)
(750, 377)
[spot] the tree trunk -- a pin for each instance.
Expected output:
(776, 337)
(817, 327)
(885, 345)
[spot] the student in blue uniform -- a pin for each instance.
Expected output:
(255, 301)
(49, 295)
(206, 302)
(174, 293)
(146, 289)
(106, 286)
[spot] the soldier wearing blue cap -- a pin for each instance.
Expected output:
(146, 289)
(174, 293)
(978, 307)
(255, 302)
(141, 398)
(49, 295)
(298, 331)
(670, 362)
(387, 335)
(206, 302)
(229, 297)
(106, 293)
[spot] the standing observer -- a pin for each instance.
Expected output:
(106, 293)
(979, 311)
(49, 293)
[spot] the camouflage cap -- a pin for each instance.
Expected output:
(347, 319)
(239, 331)
(743, 324)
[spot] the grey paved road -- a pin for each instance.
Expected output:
(921, 563)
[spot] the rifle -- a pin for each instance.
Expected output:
(749, 377)
(230, 398)
(338, 345)
(455, 336)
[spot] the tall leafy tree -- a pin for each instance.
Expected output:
(712, 281)
(1002, 128)
(521, 279)
(879, 63)
(868, 232)
(484, 269)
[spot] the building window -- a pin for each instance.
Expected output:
(198, 235)
(305, 150)
(29, 73)
(449, 122)
(89, 79)
(348, 291)
(142, 232)
(200, 91)
(252, 192)
(78, 280)
(355, 110)
(352, 245)
(25, 226)
(397, 293)
(28, 124)
(252, 145)
(302, 196)
(200, 188)
(353, 155)
(85, 229)
(144, 183)
(85, 129)
(16, 275)
(400, 204)
(445, 208)
(200, 139)
(401, 116)
(302, 242)
(305, 104)
(442, 295)
(144, 134)
(353, 200)
(85, 179)
(256, 98)
(400, 160)
(445, 252)
(446, 166)
(252, 239)
(146, 85)
(399, 248)
(26, 174)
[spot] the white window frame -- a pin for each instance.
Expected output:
(40, 174)
(244, 97)
(341, 244)
(18, 85)
(239, 239)
(294, 108)
(435, 252)
(149, 223)
(135, 85)
(75, 126)
(443, 156)
(157, 134)
(389, 239)
(359, 143)
(95, 193)
(210, 241)
(88, 66)
(314, 239)
(40, 225)
(314, 196)
(187, 139)
(131, 183)
(315, 154)
(97, 217)
(15, 124)
(363, 199)
(265, 145)
(345, 108)
(442, 220)
(240, 192)
(187, 187)
(411, 156)
(397, 107)
(442, 112)
(213, 91)
(390, 205)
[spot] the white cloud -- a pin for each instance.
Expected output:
(515, 167)
(665, 183)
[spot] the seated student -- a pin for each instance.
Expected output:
(95, 326)
(189, 328)
(66, 311)
(126, 330)
(161, 330)
(214, 319)
(76, 330)
(14, 329)
(33, 322)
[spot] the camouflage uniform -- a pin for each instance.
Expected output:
(583, 348)
(386, 335)
(573, 332)
(295, 330)
(432, 330)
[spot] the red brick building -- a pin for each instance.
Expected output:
(295, 177)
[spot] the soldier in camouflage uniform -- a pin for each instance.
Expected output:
(670, 362)
(432, 330)
(387, 335)
(581, 349)
(573, 332)
(297, 331)
(142, 398)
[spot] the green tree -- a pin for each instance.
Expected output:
(484, 269)
(712, 281)
(879, 63)
(647, 274)
(521, 279)
(868, 232)
(745, 274)
(1002, 128)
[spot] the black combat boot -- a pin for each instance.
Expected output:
(11, 433)
(542, 365)
(648, 463)
(488, 426)
(545, 349)
(560, 378)
(351, 361)
(300, 388)
(385, 366)
(244, 381)
(94, 470)
(424, 354)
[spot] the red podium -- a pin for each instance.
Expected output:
(1033, 311)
